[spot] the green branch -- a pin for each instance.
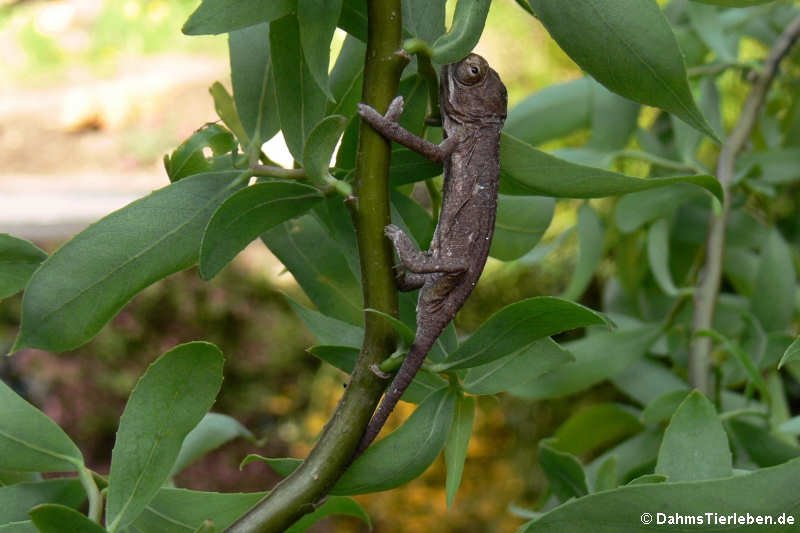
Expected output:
(705, 296)
(307, 486)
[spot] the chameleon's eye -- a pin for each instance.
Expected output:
(471, 70)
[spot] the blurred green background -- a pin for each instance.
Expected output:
(96, 92)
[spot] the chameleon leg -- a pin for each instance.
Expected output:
(408, 281)
(418, 262)
(387, 126)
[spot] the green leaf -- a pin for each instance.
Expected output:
(596, 426)
(759, 493)
(663, 407)
(317, 21)
(326, 329)
(301, 102)
(521, 222)
(30, 441)
(633, 456)
(658, 256)
(455, 450)
(17, 500)
(339, 505)
(183, 511)
(25, 526)
(320, 266)
(413, 219)
(645, 380)
(538, 358)
(346, 78)
(637, 209)
(424, 19)
(283, 466)
(222, 16)
(705, 21)
(606, 478)
(526, 170)
(629, 47)
(792, 353)
(226, 110)
(18, 260)
(213, 431)
(468, 21)
(551, 113)
(54, 518)
(777, 166)
(247, 214)
(695, 445)
(353, 18)
(742, 357)
(188, 158)
(405, 453)
(319, 148)
(168, 401)
(597, 357)
(773, 296)
(407, 166)
(762, 446)
(10, 477)
(613, 120)
(517, 325)
(590, 251)
(342, 357)
(253, 80)
(735, 3)
(83, 284)
(564, 472)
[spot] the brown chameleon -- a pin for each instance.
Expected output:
(473, 102)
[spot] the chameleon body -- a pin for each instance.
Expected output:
(474, 102)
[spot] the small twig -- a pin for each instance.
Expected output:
(708, 289)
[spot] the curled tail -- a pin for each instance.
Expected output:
(411, 364)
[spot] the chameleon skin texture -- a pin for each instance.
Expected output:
(474, 104)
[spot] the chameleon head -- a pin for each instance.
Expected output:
(472, 91)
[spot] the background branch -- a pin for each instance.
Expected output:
(706, 295)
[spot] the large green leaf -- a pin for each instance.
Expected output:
(221, 16)
(17, 500)
(510, 371)
(317, 21)
(183, 511)
(636, 209)
(613, 120)
(328, 330)
(763, 446)
(773, 295)
(18, 259)
(30, 441)
(319, 148)
(169, 400)
(406, 452)
(213, 431)
(553, 112)
(735, 3)
(246, 215)
(516, 326)
(455, 451)
(346, 78)
(55, 518)
(339, 505)
(759, 493)
(597, 357)
(301, 102)
(629, 47)
(83, 284)
(464, 33)
(424, 18)
(253, 80)
(526, 170)
(695, 446)
(521, 222)
(591, 239)
(319, 265)
(658, 256)
(596, 426)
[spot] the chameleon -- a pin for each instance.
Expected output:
(473, 104)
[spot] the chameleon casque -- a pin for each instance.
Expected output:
(473, 102)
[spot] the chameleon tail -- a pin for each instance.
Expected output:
(411, 364)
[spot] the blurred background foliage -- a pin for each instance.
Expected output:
(271, 385)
